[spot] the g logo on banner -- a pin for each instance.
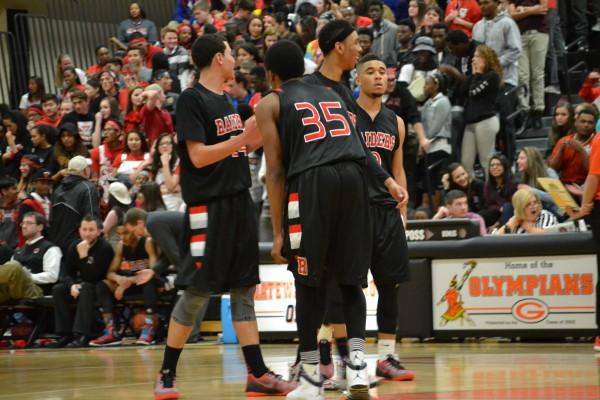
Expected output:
(530, 311)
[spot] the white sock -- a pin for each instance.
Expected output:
(325, 333)
(310, 369)
(386, 347)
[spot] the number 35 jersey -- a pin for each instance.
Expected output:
(315, 128)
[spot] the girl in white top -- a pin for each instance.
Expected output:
(165, 171)
(134, 159)
(35, 92)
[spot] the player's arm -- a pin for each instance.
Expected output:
(112, 275)
(398, 166)
(267, 115)
(203, 155)
(151, 251)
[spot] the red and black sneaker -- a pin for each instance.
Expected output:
(268, 385)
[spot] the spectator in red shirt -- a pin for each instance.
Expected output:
(462, 15)
(133, 119)
(104, 156)
(134, 158)
(154, 119)
(570, 156)
(102, 57)
(52, 113)
(137, 40)
(590, 90)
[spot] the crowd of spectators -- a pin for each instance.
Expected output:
(81, 169)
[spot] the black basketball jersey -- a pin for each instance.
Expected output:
(210, 118)
(382, 138)
(372, 168)
(315, 128)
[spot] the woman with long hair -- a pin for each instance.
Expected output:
(109, 111)
(498, 190)
(35, 91)
(246, 52)
(165, 171)
(458, 178)
(563, 120)
(71, 81)
(416, 12)
(92, 90)
(16, 141)
(134, 159)
(149, 198)
(255, 33)
(29, 165)
(133, 118)
(482, 122)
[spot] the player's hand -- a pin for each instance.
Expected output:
(276, 250)
(398, 192)
(144, 276)
(75, 290)
(254, 138)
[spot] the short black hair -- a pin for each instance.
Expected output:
(248, 5)
(7, 182)
(259, 72)
(378, 3)
(91, 218)
(365, 31)
(306, 9)
(205, 48)
(133, 215)
(440, 25)
(366, 58)
(209, 28)
(408, 22)
(50, 97)
(136, 35)
(100, 46)
(588, 111)
(241, 78)
(116, 61)
(332, 33)
(285, 59)
(250, 49)
(453, 195)
(456, 36)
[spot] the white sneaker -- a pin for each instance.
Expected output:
(357, 376)
(310, 387)
(340, 374)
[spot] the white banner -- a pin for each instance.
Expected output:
(275, 300)
(555, 292)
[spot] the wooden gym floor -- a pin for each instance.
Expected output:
(211, 371)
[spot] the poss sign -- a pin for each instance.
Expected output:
(556, 292)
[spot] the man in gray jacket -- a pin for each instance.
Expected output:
(500, 32)
(385, 43)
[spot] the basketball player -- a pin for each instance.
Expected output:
(383, 132)
(222, 249)
(339, 43)
(315, 161)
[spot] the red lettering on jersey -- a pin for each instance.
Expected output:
(352, 118)
(228, 123)
(386, 142)
(302, 265)
(392, 142)
(220, 127)
(380, 139)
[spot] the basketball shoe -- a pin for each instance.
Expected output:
(310, 387)
(109, 338)
(164, 387)
(268, 385)
(357, 376)
(392, 370)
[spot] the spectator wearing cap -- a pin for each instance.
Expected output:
(138, 41)
(30, 163)
(462, 15)
(119, 201)
(38, 200)
(81, 117)
(137, 24)
(9, 213)
(74, 198)
(154, 119)
(178, 57)
(42, 137)
(34, 267)
(105, 155)
(414, 74)
(385, 42)
(68, 145)
(52, 115)
(85, 264)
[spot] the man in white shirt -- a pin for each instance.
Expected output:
(34, 267)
